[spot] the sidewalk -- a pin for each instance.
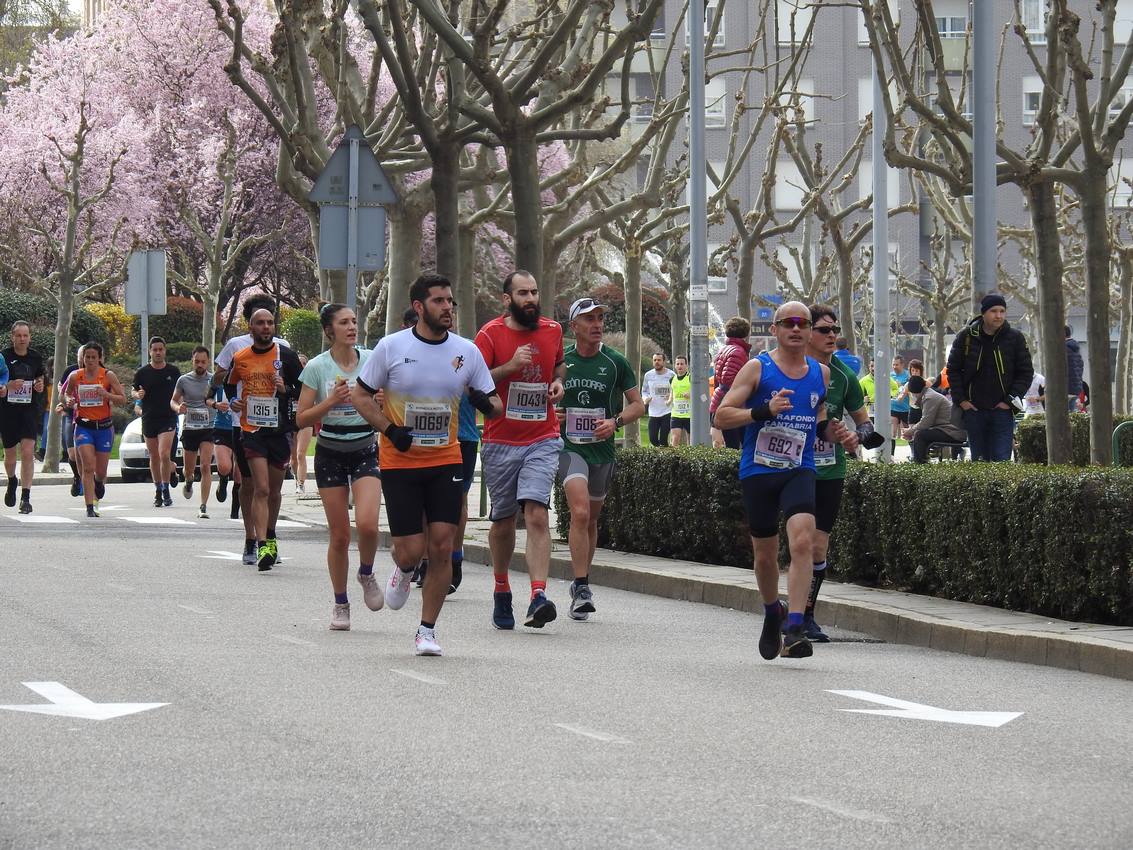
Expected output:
(889, 615)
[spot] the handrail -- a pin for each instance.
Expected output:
(1116, 431)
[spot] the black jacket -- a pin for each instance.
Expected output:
(987, 370)
(1073, 367)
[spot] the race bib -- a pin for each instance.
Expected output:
(682, 408)
(90, 395)
(429, 422)
(339, 410)
(22, 395)
(662, 390)
(197, 419)
(581, 423)
(262, 411)
(779, 447)
(824, 453)
(527, 402)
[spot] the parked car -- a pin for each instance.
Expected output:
(134, 457)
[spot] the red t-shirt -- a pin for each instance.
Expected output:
(528, 416)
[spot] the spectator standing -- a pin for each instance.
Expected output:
(1034, 402)
(1073, 370)
(935, 424)
(843, 353)
(869, 386)
(989, 363)
(729, 360)
(657, 393)
(899, 401)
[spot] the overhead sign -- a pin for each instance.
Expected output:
(917, 711)
(333, 185)
(63, 702)
(145, 283)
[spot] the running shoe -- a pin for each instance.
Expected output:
(157, 500)
(173, 479)
(340, 618)
(540, 612)
(397, 589)
(187, 490)
(222, 489)
(771, 639)
(426, 642)
(203, 513)
(457, 575)
(275, 548)
(502, 618)
(10, 493)
(166, 499)
(299, 489)
(813, 631)
(25, 506)
(420, 572)
(92, 511)
(250, 556)
(371, 592)
(266, 556)
(795, 644)
(76, 486)
(99, 489)
(581, 601)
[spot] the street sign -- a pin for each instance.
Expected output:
(698, 292)
(333, 241)
(63, 702)
(333, 185)
(917, 711)
(145, 283)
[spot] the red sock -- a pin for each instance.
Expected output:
(502, 584)
(538, 587)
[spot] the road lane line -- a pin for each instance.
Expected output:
(193, 609)
(842, 811)
(294, 640)
(125, 588)
(42, 518)
(157, 520)
(420, 677)
(596, 734)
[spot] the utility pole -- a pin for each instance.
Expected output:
(697, 229)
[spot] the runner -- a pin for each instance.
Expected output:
(345, 459)
(657, 393)
(192, 398)
(21, 412)
(524, 352)
(226, 466)
(268, 376)
(681, 421)
(299, 446)
(67, 423)
(153, 387)
(599, 381)
(843, 395)
(90, 392)
(468, 434)
(424, 371)
(242, 496)
(783, 393)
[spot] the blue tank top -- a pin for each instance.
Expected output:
(787, 441)
(467, 432)
(223, 421)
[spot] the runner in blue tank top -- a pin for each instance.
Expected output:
(780, 396)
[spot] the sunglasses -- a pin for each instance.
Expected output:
(793, 322)
(828, 329)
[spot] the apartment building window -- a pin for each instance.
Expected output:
(863, 31)
(1034, 19)
(642, 111)
(1032, 98)
(789, 186)
(715, 103)
(793, 19)
(1123, 22)
(865, 97)
(1120, 99)
(716, 283)
(1121, 180)
(952, 26)
(709, 17)
(802, 93)
(865, 183)
(659, 32)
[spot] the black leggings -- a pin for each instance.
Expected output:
(659, 430)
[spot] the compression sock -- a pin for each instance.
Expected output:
(815, 585)
(502, 583)
(538, 587)
(271, 533)
(579, 582)
(794, 620)
(25, 494)
(74, 469)
(340, 599)
(773, 608)
(249, 544)
(429, 626)
(365, 569)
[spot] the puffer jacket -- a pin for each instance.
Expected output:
(1006, 356)
(1073, 367)
(729, 360)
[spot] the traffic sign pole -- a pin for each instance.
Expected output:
(352, 230)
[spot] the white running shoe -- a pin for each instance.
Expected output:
(340, 618)
(426, 641)
(397, 588)
(371, 592)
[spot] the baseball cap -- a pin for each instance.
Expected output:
(584, 305)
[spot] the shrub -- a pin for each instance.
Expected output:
(122, 329)
(180, 352)
(1052, 541)
(182, 321)
(41, 312)
(301, 328)
(1031, 435)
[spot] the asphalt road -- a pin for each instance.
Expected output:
(656, 724)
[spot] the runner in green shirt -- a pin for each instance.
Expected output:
(599, 383)
(681, 422)
(844, 395)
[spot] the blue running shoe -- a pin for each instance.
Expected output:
(540, 612)
(813, 631)
(502, 618)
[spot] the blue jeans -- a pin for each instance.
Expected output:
(990, 433)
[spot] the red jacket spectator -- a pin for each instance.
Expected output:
(731, 358)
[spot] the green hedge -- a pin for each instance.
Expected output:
(41, 313)
(182, 321)
(180, 352)
(303, 330)
(1054, 541)
(1031, 435)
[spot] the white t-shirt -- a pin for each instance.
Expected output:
(1031, 404)
(657, 388)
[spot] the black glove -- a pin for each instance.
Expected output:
(480, 401)
(869, 438)
(400, 436)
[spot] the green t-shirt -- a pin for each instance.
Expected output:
(595, 389)
(843, 394)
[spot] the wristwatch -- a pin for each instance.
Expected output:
(618, 422)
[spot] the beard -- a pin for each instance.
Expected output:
(436, 324)
(526, 316)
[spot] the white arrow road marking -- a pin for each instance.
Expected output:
(917, 711)
(221, 555)
(125, 588)
(102, 508)
(195, 610)
(842, 811)
(294, 640)
(42, 518)
(158, 520)
(596, 734)
(67, 703)
(420, 677)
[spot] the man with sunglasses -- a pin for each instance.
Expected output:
(780, 397)
(843, 395)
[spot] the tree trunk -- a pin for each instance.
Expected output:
(66, 302)
(209, 298)
(1098, 248)
(1052, 317)
(327, 291)
(466, 284)
(527, 202)
(633, 321)
(939, 338)
(845, 257)
(1125, 261)
(744, 280)
(678, 322)
(446, 206)
(404, 262)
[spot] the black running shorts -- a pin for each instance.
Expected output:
(275, 448)
(827, 499)
(152, 426)
(191, 438)
(769, 495)
(17, 424)
(339, 469)
(433, 491)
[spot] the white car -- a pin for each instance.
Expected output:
(133, 455)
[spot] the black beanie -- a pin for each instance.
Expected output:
(992, 299)
(916, 384)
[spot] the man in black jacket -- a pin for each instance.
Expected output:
(989, 364)
(1073, 370)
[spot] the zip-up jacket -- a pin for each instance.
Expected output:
(986, 370)
(729, 360)
(1073, 367)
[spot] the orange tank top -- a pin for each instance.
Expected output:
(89, 402)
